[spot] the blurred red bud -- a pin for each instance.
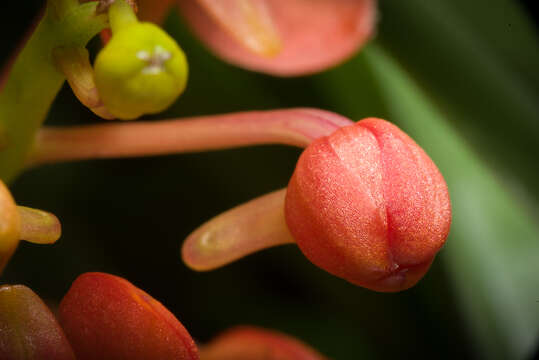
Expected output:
(10, 226)
(106, 317)
(282, 37)
(28, 330)
(251, 343)
(368, 205)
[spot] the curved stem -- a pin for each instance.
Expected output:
(255, 225)
(250, 227)
(296, 127)
(27, 95)
(121, 15)
(74, 63)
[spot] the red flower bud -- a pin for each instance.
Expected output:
(106, 317)
(368, 205)
(251, 343)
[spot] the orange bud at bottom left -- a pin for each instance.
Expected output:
(106, 317)
(28, 330)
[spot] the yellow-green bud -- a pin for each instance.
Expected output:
(10, 224)
(141, 70)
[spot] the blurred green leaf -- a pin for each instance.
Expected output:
(492, 250)
(478, 61)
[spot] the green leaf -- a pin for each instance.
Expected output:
(493, 247)
(478, 60)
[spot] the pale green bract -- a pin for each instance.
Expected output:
(142, 70)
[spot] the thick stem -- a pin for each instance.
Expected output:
(27, 95)
(253, 226)
(297, 127)
(38, 226)
(61, 8)
(121, 15)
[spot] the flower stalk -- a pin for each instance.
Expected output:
(297, 127)
(74, 63)
(27, 96)
(256, 225)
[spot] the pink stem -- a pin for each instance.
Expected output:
(296, 127)
(247, 228)
(253, 226)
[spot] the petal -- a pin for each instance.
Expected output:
(249, 21)
(314, 35)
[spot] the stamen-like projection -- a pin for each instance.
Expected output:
(23, 223)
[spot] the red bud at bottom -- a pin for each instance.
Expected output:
(106, 317)
(250, 343)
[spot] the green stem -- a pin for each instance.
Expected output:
(61, 8)
(34, 80)
(121, 14)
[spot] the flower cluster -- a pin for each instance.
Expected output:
(365, 202)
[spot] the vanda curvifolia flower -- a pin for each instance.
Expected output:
(365, 202)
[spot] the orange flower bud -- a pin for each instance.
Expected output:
(10, 226)
(368, 205)
(106, 317)
(28, 330)
(249, 343)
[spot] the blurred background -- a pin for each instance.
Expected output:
(461, 77)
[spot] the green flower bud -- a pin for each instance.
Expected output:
(10, 224)
(141, 70)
